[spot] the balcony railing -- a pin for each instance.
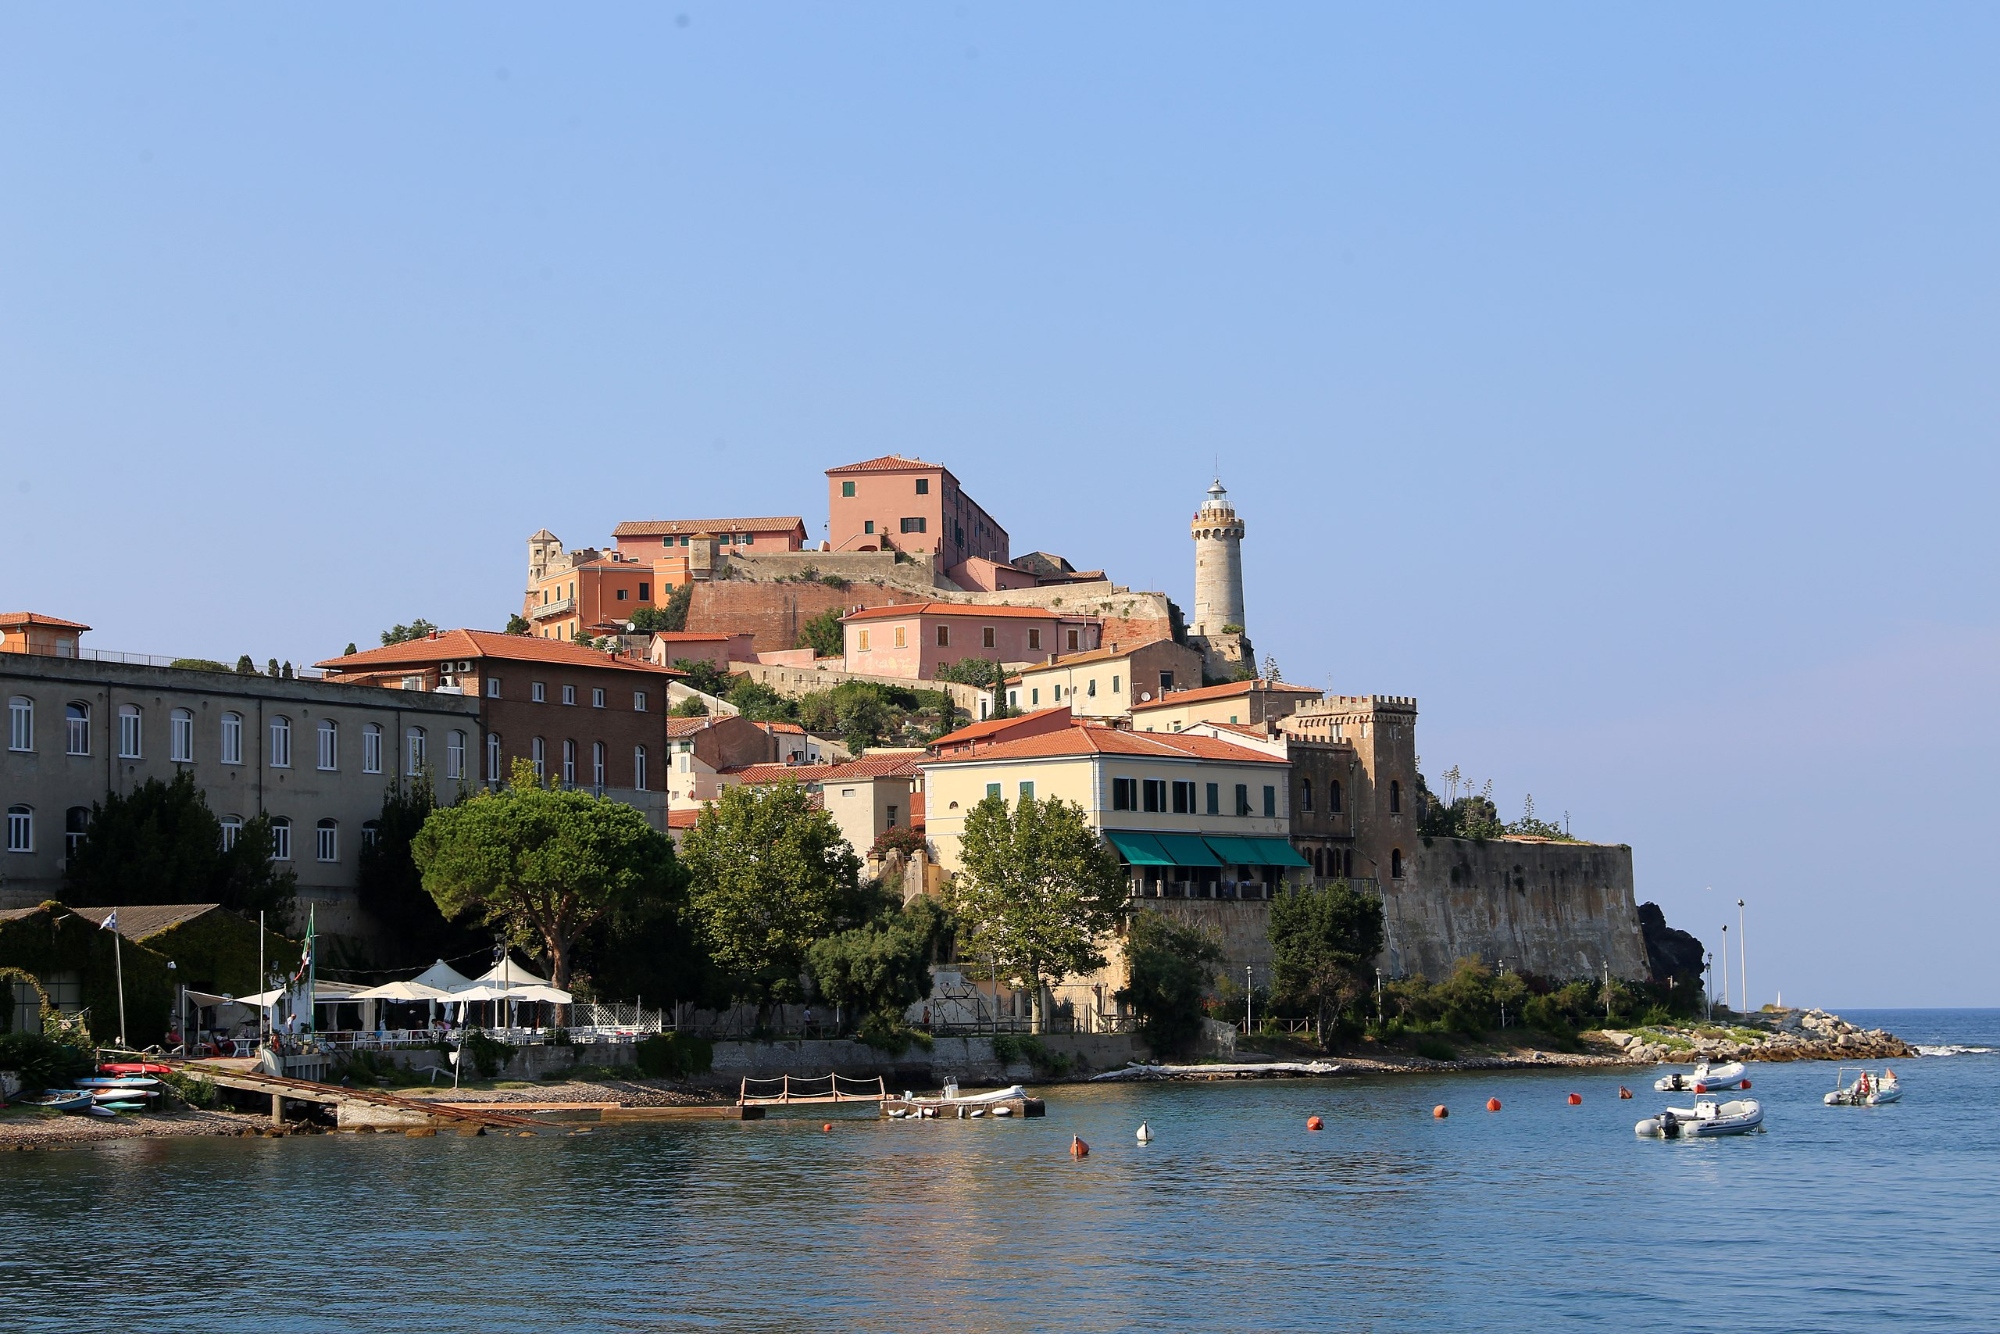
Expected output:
(560, 607)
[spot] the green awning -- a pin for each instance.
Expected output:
(1278, 852)
(1186, 850)
(1138, 849)
(1235, 851)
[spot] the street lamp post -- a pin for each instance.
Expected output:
(1725, 965)
(1249, 1001)
(1743, 958)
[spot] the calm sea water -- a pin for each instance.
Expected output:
(1236, 1217)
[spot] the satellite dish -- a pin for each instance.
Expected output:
(1145, 695)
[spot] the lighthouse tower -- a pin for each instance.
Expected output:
(1218, 623)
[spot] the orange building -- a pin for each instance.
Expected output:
(32, 632)
(591, 591)
(897, 504)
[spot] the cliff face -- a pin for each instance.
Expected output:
(1563, 910)
(1669, 953)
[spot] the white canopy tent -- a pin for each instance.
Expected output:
(507, 973)
(404, 991)
(442, 977)
(324, 993)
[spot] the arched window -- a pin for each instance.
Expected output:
(232, 738)
(492, 757)
(76, 729)
(20, 829)
(329, 744)
(371, 833)
(569, 764)
(371, 749)
(1306, 795)
(639, 768)
(129, 732)
(1332, 797)
(232, 829)
(538, 754)
(454, 754)
(76, 824)
(281, 742)
(281, 839)
(1395, 798)
(180, 736)
(1319, 862)
(415, 748)
(597, 766)
(20, 723)
(1395, 863)
(326, 840)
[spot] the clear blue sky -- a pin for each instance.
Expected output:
(1618, 381)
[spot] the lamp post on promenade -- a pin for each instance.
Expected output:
(1743, 958)
(1725, 965)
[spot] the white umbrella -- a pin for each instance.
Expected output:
(553, 995)
(482, 992)
(404, 991)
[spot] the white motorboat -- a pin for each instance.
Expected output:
(1704, 1078)
(1865, 1090)
(1705, 1120)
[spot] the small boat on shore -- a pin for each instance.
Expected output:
(1865, 1090)
(61, 1100)
(1010, 1101)
(1704, 1078)
(1705, 1120)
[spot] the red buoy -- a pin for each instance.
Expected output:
(1077, 1148)
(825, 1126)
(1314, 1123)
(1439, 1112)
(1576, 1100)
(1701, 1088)
(1492, 1104)
(1624, 1092)
(1746, 1083)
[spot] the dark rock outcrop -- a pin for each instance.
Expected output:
(1670, 954)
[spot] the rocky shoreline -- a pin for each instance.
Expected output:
(1794, 1035)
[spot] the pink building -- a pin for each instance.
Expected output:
(672, 646)
(898, 504)
(918, 639)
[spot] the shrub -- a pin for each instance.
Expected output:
(1011, 1047)
(489, 1055)
(1435, 1049)
(673, 1056)
(1169, 966)
(194, 1090)
(888, 1033)
(41, 1062)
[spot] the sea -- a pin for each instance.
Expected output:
(1236, 1216)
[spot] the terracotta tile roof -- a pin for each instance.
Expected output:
(1086, 739)
(687, 726)
(689, 637)
(777, 523)
(886, 463)
(994, 727)
(1094, 655)
(898, 610)
(868, 766)
(1175, 698)
(486, 644)
(145, 920)
(684, 819)
(16, 619)
(783, 727)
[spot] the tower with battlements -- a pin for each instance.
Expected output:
(1217, 627)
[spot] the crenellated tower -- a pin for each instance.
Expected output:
(1217, 627)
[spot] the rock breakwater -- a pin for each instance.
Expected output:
(1790, 1035)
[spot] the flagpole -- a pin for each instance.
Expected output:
(261, 981)
(118, 954)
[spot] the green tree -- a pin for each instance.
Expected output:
(159, 843)
(199, 665)
(758, 702)
(694, 706)
(882, 967)
(245, 667)
(1324, 940)
(517, 624)
(1169, 967)
(403, 634)
(704, 676)
(823, 635)
(542, 863)
(391, 887)
(769, 874)
(858, 712)
(670, 616)
(1038, 891)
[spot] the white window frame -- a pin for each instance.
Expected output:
(638, 701)
(21, 828)
(232, 829)
(597, 765)
(569, 694)
(180, 736)
(454, 754)
(232, 738)
(371, 833)
(638, 768)
(493, 757)
(76, 731)
(538, 693)
(280, 741)
(538, 754)
(493, 687)
(569, 763)
(371, 748)
(326, 841)
(597, 697)
(281, 839)
(329, 745)
(131, 732)
(20, 723)
(415, 746)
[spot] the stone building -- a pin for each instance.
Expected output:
(1218, 627)
(315, 755)
(1108, 682)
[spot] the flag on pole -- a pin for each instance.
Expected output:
(110, 923)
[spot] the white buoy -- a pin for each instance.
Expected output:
(1145, 1133)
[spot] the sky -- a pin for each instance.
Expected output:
(1618, 381)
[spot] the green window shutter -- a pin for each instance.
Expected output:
(847, 488)
(992, 789)
(1270, 802)
(1215, 798)
(1027, 792)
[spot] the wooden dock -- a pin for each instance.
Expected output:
(352, 1106)
(811, 1090)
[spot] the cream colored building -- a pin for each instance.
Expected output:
(1241, 702)
(1108, 682)
(866, 797)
